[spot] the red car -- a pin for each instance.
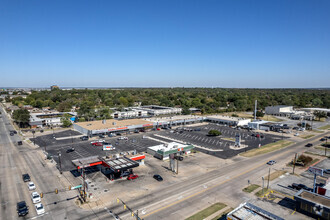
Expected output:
(158, 129)
(97, 144)
(132, 177)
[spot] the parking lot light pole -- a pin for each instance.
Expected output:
(59, 161)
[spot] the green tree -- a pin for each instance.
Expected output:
(214, 133)
(320, 114)
(21, 117)
(260, 114)
(66, 122)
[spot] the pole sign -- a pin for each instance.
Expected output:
(316, 171)
(76, 187)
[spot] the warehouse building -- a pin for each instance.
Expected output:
(227, 120)
(155, 110)
(129, 113)
(163, 151)
(279, 110)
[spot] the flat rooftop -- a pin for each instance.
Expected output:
(227, 118)
(173, 118)
(316, 198)
(110, 123)
(252, 212)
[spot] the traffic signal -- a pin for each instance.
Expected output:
(117, 200)
(69, 187)
(124, 206)
(41, 195)
(56, 191)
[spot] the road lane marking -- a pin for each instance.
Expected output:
(211, 187)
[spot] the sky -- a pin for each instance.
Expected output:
(165, 43)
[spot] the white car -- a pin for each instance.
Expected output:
(40, 209)
(31, 186)
(35, 197)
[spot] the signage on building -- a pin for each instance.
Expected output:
(116, 129)
(316, 171)
(146, 125)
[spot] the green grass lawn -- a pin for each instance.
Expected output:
(307, 136)
(207, 212)
(259, 193)
(267, 148)
(250, 188)
(326, 127)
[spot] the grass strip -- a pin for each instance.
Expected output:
(275, 175)
(326, 127)
(267, 148)
(250, 188)
(207, 212)
(223, 215)
(307, 136)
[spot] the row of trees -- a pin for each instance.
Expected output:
(207, 99)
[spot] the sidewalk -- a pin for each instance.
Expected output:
(210, 217)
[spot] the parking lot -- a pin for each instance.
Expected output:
(220, 146)
(85, 149)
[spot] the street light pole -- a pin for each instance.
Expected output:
(59, 161)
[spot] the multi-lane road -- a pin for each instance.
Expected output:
(16, 160)
(175, 201)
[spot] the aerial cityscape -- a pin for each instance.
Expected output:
(169, 110)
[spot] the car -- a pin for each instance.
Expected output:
(323, 139)
(197, 129)
(158, 129)
(35, 197)
(180, 158)
(11, 134)
(70, 150)
(39, 208)
(19, 142)
(136, 131)
(101, 136)
(158, 177)
(26, 177)
(132, 177)
(22, 208)
(13, 131)
(125, 173)
(97, 143)
(271, 162)
(123, 138)
(300, 186)
(327, 171)
(112, 135)
(296, 134)
(309, 145)
(84, 138)
(31, 186)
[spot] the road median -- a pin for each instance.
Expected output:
(267, 148)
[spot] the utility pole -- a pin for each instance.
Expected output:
(131, 210)
(255, 110)
(294, 163)
(59, 161)
(268, 178)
